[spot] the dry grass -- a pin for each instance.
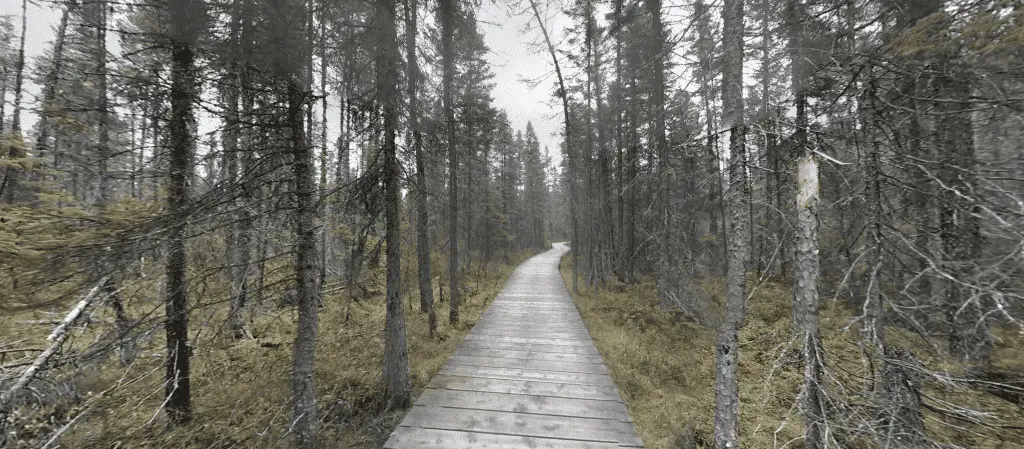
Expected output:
(665, 370)
(241, 388)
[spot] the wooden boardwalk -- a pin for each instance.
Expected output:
(527, 376)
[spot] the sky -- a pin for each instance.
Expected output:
(524, 75)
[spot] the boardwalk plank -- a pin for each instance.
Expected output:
(540, 365)
(553, 389)
(534, 348)
(521, 403)
(529, 340)
(426, 438)
(531, 355)
(527, 376)
(521, 424)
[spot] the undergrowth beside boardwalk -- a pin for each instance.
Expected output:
(241, 388)
(664, 369)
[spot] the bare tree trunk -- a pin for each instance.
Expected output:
(467, 197)
(398, 388)
(666, 262)
(805, 298)
(607, 219)
(140, 162)
(960, 231)
(805, 276)
(102, 106)
(631, 180)
(342, 169)
(328, 216)
(727, 343)
(50, 90)
(305, 419)
(9, 185)
(586, 154)
(620, 216)
(422, 219)
(447, 54)
(156, 162)
(238, 235)
(3, 108)
(184, 16)
(873, 328)
(293, 72)
(133, 167)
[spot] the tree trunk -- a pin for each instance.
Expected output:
(448, 55)
(327, 215)
(307, 291)
(50, 90)
(398, 388)
(666, 262)
(156, 161)
(620, 198)
(467, 198)
(238, 236)
(960, 231)
(102, 106)
(294, 74)
(805, 298)
(873, 327)
(420, 196)
(606, 222)
(726, 434)
(805, 275)
(182, 147)
(9, 185)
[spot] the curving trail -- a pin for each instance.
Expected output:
(527, 376)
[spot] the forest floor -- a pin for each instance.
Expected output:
(241, 388)
(664, 368)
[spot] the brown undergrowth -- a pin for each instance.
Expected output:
(241, 388)
(665, 371)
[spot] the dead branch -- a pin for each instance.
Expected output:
(57, 337)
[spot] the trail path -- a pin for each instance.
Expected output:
(527, 376)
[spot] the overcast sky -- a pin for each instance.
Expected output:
(524, 76)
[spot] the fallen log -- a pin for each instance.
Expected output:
(57, 338)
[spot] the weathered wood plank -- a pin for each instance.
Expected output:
(537, 322)
(530, 341)
(531, 334)
(507, 325)
(540, 365)
(534, 348)
(532, 355)
(522, 424)
(521, 403)
(525, 374)
(552, 389)
(426, 438)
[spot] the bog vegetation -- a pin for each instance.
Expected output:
(266, 223)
